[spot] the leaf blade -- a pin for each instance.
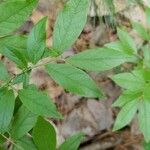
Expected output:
(99, 59)
(44, 135)
(73, 142)
(132, 81)
(127, 41)
(7, 102)
(4, 73)
(143, 117)
(69, 24)
(16, 12)
(125, 115)
(73, 80)
(141, 30)
(23, 122)
(38, 102)
(36, 41)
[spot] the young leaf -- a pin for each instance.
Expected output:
(4, 73)
(144, 118)
(36, 42)
(16, 56)
(141, 31)
(25, 143)
(99, 59)
(38, 102)
(125, 115)
(69, 24)
(73, 142)
(73, 80)
(127, 97)
(23, 122)
(14, 13)
(44, 135)
(132, 81)
(127, 41)
(7, 102)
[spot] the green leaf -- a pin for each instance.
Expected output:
(23, 77)
(99, 59)
(4, 73)
(2, 141)
(18, 41)
(44, 135)
(13, 14)
(146, 53)
(16, 56)
(73, 80)
(7, 102)
(147, 11)
(73, 142)
(127, 41)
(143, 116)
(141, 31)
(132, 81)
(25, 143)
(69, 24)
(23, 122)
(26, 80)
(18, 104)
(38, 102)
(146, 145)
(125, 115)
(126, 97)
(2, 148)
(37, 41)
(117, 45)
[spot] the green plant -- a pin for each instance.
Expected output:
(23, 112)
